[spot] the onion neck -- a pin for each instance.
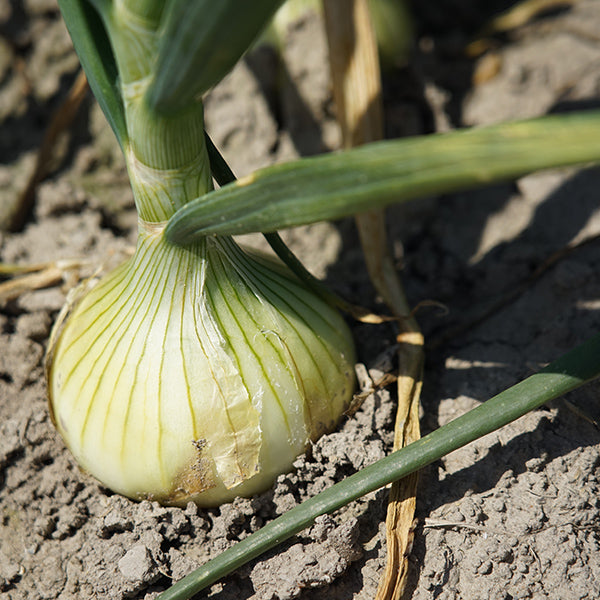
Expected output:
(166, 156)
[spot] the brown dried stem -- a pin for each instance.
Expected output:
(44, 164)
(357, 93)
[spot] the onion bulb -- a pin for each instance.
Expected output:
(196, 372)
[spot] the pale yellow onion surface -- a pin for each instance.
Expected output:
(196, 373)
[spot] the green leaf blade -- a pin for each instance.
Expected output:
(338, 185)
(201, 42)
(95, 54)
(563, 375)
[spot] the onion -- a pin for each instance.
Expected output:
(196, 372)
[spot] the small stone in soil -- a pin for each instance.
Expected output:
(138, 565)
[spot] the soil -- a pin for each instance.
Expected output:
(514, 515)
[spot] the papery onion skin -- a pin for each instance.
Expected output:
(196, 373)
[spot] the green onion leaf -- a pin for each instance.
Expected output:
(565, 374)
(373, 176)
(200, 42)
(95, 53)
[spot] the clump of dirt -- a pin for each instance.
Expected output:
(514, 515)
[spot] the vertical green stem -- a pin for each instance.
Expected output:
(166, 157)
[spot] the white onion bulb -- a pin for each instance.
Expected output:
(196, 373)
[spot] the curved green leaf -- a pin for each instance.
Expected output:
(338, 185)
(95, 54)
(565, 374)
(223, 175)
(200, 42)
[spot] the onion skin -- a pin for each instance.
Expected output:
(196, 373)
